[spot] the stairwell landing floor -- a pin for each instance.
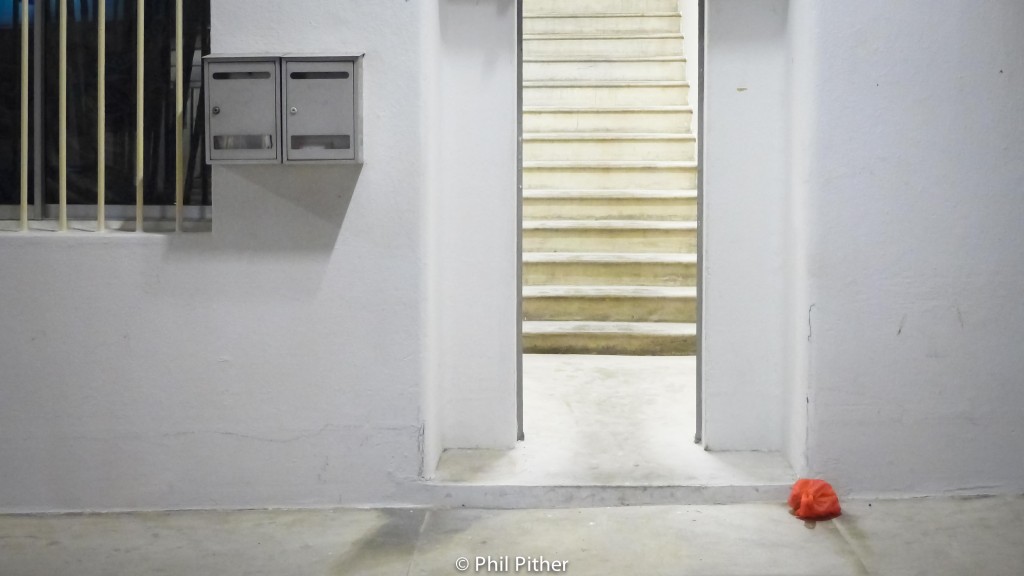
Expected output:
(622, 421)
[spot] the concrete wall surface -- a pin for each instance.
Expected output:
(298, 354)
(914, 198)
(862, 214)
(745, 163)
(342, 325)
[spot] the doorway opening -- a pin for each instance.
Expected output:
(610, 241)
(606, 426)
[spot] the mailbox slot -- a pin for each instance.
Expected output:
(243, 110)
(322, 110)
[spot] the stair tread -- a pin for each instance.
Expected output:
(604, 58)
(582, 327)
(608, 136)
(610, 257)
(609, 109)
(609, 225)
(609, 164)
(610, 291)
(604, 83)
(605, 36)
(599, 15)
(610, 194)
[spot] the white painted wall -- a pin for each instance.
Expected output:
(475, 223)
(884, 262)
(745, 184)
(306, 351)
(340, 327)
(915, 250)
(801, 35)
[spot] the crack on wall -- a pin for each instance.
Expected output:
(421, 446)
(252, 437)
(810, 329)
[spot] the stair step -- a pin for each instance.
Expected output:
(601, 36)
(608, 235)
(605, 68)
(620, 164)
(671, 119)
(601, 59)
(610, 303)
(608, 269)
(565, 175)
(602, 45)
(637, 338)
(610, 204)
(611, 194)
(608, 146)
(605, 94)
(664, 22)
(581, 7)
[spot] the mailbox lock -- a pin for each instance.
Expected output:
(215, 110)
(294, 110)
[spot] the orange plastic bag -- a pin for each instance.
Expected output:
(814, 500)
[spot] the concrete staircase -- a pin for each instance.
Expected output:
(609, 178)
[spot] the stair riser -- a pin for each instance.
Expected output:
(603, 25)
(653, 122)
(536, 71)
(565, 47)
(605, 96)
(609, 209)
(620, 344)
(603, 240)
(611, 309)
(600, 7)
(608, 274)
(609, 178)
(681, 150)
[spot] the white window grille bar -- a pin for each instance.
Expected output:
(24, 115)
(62, 120)
(101, 116)
(140, 70)
(37, 114)
(179, 113)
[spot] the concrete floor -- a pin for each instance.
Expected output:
(936, 537)
(611, 421)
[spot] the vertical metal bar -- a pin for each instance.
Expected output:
(140, 70)
(698, 436)
(37, 113)
(101, 116)
(24, 115)
(179, 112)
(62, 118)
(520, 432)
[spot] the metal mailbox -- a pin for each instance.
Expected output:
(322, 109)
(243, 118)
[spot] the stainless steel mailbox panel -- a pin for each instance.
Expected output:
(322, 110)
(243, 115)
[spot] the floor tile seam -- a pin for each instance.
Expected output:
(419, 539)
(857, 552)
